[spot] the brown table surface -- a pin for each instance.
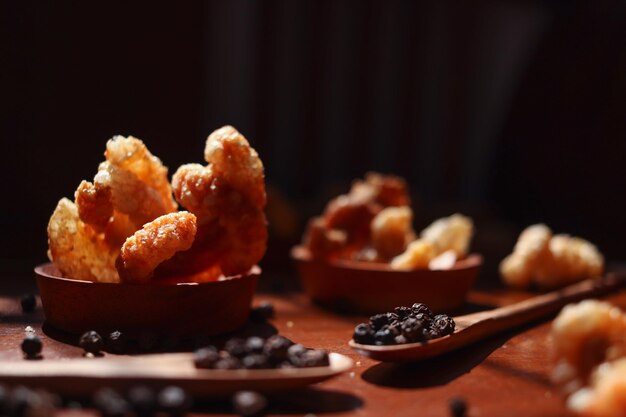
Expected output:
(507, 374)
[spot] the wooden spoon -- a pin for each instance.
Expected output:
(471, 328)
(84, 376)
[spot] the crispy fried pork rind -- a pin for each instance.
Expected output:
(392, 231)
(589, 343)
(345, 230)
(417, 255)
(228, 197)
(606, 394)
(154, 243)
(78, 250)
(549, 261)
(450, 233)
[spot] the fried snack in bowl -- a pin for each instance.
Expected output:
(125, 258)
(589, 346)
(550, 261)
(362, 255)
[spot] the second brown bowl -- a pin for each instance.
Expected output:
(375, 288)
(209, 308)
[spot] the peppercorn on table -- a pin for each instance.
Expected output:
(508, 374)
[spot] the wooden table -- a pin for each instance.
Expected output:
(504, 375)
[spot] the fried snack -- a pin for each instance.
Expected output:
(589, 340)
(450, 233)
(550, 261)
(78, 250)
(532, 248)
(417, 255)
(572, 259)
(94, 204)
(606, 395)
(228, 197)
(392, 231)
(321, 241)
(137, 180)
(156, 242)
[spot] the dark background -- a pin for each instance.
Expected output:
(512, 112)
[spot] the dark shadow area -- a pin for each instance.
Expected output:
(35, 317)
(304, 401)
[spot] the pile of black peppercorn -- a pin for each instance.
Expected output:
(404, 325)
(258, 353)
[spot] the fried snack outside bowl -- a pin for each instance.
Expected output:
(154, 243)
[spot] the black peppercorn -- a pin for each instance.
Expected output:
(421, 308)
(206, 357)
(142, 400)
(412, 329)
(276, 348)
(400, 340)
(31, 346)
(236, 347)
(255, 361)
(28, 302)
(262, 312)
(379, 320)
(364, 334)
(110, 403)
(228, 362)
(254, 345)
(249, 403)
(457, 406)
(444, 324)
(384, 337)
(403, 312)
(91, 342)
(174, 400)
(116, 342)
(313, 358)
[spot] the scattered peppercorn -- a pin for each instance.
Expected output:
(116, 342)
(92, 342)
(28, 302)
(110, 403)
(262, 312)
(458, 407)
(404, 325)
(142, 400)
(174, 400)
(249, 403)
(31, 346)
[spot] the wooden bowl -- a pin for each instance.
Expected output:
(370, 288)
(189, 309)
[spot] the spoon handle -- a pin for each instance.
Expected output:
(513, 315)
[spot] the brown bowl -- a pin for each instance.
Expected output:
(188, 309)
(371, 288)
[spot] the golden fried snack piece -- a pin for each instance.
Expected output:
(572, 259)
(585, 335)
(450, 233)
(606, 395)
(94, 203)
(321, 241)
(532, 248)
(550, 261)
(389, 190)
(131, 155)
(76, 249)
(392, 231)
(156, 242)
(228, 197)
(417, 255)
